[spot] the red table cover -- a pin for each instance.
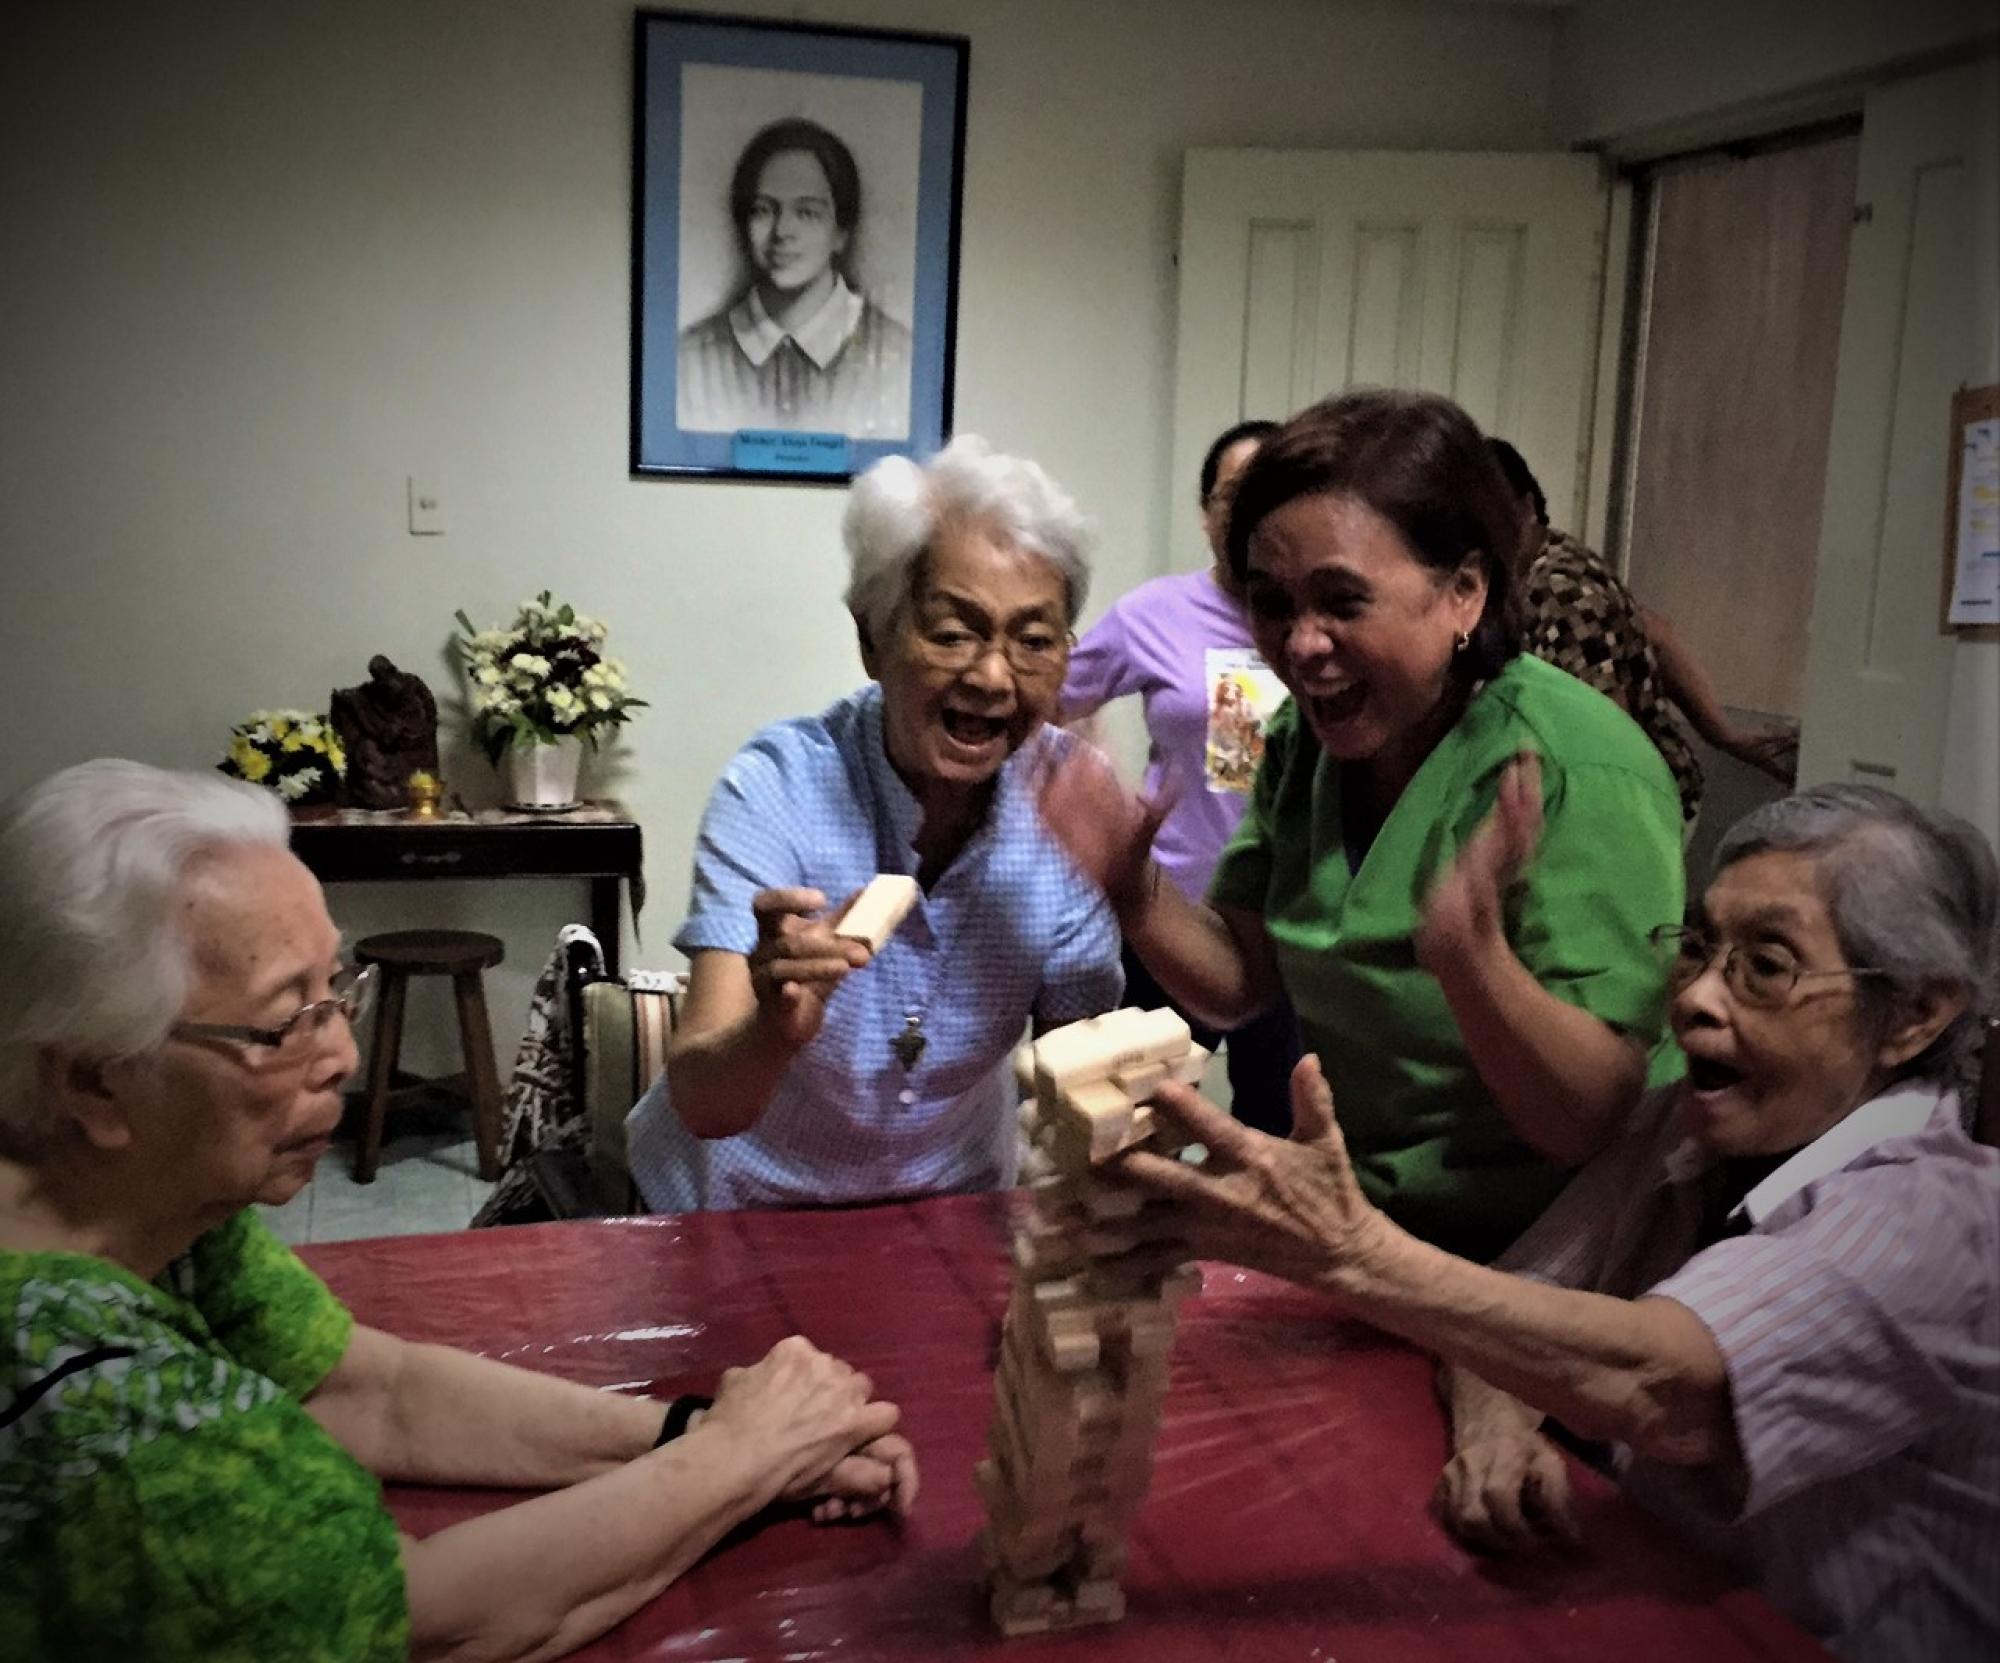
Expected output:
(1288, 1515)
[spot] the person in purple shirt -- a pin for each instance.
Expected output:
(1183, 644)
(1777, 1296)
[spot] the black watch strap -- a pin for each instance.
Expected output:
(679, 1413)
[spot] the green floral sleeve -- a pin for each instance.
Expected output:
(269, 1312)
(249, 1537)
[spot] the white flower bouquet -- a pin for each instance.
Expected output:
(545, 678)
(295, 753)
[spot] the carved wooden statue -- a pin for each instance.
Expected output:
(389, 728)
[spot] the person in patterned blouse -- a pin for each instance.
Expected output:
(194, 1432)
(1578, 615)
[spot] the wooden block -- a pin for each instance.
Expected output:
(878, 909)
(1100, 1046)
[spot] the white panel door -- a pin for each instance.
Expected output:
(1478, 276)
(1878, 672)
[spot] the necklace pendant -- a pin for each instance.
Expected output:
(909, 1044)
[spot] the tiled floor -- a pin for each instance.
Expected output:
(428, 1180)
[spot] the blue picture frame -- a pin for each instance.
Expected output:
(869, 372)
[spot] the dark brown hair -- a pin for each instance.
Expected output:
(1422, 464)
(843, 178)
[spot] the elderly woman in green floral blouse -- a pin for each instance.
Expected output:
(193, 1431)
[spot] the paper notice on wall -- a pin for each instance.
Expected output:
(1975, 588)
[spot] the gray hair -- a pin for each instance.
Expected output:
(1914, 893)
(90, 863)
(896, 509)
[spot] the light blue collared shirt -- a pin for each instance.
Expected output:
(1010, 931)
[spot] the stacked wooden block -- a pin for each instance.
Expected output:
(1083, 1357)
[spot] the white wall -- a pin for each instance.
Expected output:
(264, 259)
(1638, 73)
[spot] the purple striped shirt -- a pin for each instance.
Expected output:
(1859, 1320)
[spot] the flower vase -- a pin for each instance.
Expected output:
(544, 775)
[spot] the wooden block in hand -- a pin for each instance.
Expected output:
(878, 909)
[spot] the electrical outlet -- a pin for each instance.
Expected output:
(426, 508)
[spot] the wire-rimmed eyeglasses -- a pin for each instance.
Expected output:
(1034, 653)
(353, 996)
(1763, 974)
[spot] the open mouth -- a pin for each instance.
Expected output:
(969, 729)
(1331, 709)
(1705, 1074)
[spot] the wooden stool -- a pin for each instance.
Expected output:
(461, 955)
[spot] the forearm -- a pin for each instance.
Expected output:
(1687, 681)
(426, 1414)
(541, 1578)
(723, 1078)
(1205, 964)
(1643, 1372)
(1564, 1080)
(1476, 1409)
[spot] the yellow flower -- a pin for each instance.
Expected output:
(250, 762)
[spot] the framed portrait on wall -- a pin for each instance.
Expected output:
(794, 245)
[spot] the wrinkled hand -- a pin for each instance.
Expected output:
(1464, 914)
(807, 1413)
(1775, 750)
(1289, 1206)
(1106, 830)
(882, 1473)
(1507, 1493)
(798, 960)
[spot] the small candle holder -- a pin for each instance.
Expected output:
(426, 792)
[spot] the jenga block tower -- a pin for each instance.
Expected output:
(1083, 1358)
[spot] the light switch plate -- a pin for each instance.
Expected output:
(426, 507)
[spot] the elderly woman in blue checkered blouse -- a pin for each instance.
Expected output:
(806, 1070)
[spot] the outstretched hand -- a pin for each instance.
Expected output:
(1105, 829)
(1288, 1206)
(1464, 913)
(798, 961)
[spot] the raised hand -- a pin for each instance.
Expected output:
(1464, 914)
(798, 960)
(1289, 1206)
(1507, 1492)
(1105, 829)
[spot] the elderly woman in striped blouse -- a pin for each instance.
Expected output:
(1778, 1295)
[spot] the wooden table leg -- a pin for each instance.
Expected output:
(476, 1033)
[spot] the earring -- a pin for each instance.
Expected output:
(1464, 641)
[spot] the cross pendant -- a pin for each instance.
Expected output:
(909, 1044)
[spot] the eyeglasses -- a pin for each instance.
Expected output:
(1763, 975)
(1035, 652)
(353, 997)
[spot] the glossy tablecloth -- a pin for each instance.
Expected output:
(1288, 1516)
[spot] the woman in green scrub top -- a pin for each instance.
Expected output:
(1477, 1055)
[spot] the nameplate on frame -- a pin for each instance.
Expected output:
(758, 450)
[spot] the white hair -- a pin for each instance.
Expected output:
(896, 508)
(90, 863)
